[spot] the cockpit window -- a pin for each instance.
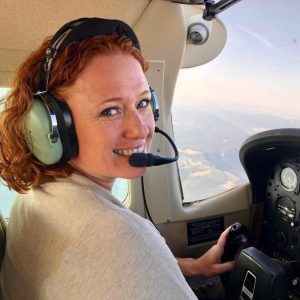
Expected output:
(6, 195)
(121, 190)
(252, 86)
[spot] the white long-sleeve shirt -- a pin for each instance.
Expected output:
(71, 239)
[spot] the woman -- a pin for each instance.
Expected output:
(68, 237)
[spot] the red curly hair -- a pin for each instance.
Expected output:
(18, 167)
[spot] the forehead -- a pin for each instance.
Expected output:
(112, 70)
(107, 77)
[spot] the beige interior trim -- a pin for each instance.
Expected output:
(196, 55)
(24, 24)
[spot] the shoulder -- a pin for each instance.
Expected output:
(94, 245)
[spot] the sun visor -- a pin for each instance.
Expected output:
(205, 39)
(260, 153)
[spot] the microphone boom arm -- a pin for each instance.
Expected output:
(140, 160)
(170, 140)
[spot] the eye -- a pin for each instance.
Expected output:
(144, 103)
(109, 112)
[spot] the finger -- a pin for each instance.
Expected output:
(223, 237)
(225, 267)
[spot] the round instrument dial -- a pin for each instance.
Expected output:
(288, 179)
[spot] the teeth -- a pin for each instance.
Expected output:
(128, 152)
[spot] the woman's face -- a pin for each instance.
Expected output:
(113, 118)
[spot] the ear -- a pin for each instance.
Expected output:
(38, 128)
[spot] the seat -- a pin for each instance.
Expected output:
(2, 236)
(2, 243)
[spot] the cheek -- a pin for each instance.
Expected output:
(151, 125)
(91, 139)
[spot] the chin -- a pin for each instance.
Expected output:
(136, 172)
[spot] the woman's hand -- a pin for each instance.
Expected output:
(209, 264)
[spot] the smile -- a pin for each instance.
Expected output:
(128, 152)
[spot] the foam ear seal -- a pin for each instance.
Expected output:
(38, 127)
(66, 127)
(154, 104)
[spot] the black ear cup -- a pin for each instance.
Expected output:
(154, 103)
(65, 126)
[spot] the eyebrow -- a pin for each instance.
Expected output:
(119, 98)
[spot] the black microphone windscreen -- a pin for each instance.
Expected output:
(139, 159)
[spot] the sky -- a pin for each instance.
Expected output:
(259, 68)
(3, 91)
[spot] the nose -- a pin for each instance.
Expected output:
(136, 125)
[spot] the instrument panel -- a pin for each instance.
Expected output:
(281, 218)
(271, 160)
(282, 207)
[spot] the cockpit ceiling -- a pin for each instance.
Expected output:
(26, 23)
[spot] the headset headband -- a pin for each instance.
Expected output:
(76, 31)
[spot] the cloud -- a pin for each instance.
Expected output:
(201, 173)
(228, 185)
(189, 151)
(231, 182)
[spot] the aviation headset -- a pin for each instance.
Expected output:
(49, 124)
